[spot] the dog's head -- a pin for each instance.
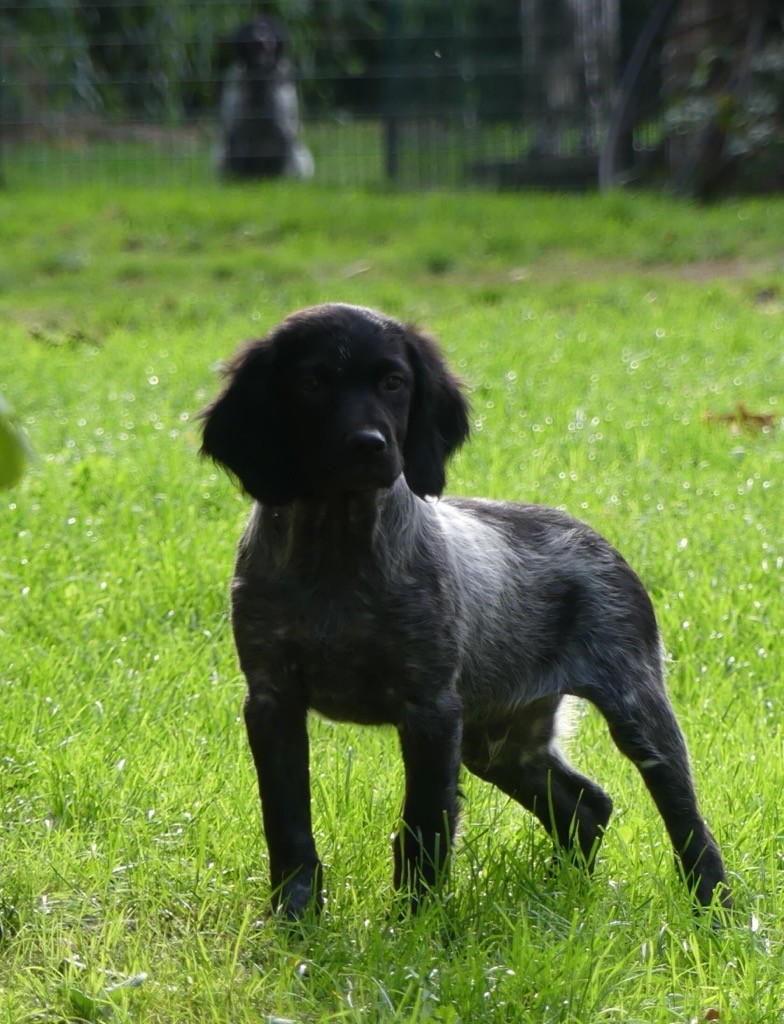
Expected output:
(259, 45)
(337, 398)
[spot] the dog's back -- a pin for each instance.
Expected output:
(541, 594)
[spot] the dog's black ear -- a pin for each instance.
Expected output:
(438, 421)
(244, 430)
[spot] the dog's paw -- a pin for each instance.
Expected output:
(298, 901)
(300, 895)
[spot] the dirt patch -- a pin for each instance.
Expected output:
(720, 270)
(701, 272)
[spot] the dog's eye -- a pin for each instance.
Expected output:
(393, 382)
(310, 383)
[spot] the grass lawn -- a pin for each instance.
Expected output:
(596, 334)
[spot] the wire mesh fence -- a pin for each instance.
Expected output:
(357, 92)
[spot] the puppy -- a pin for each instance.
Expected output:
(461, 622)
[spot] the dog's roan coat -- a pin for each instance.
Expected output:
(462, 622)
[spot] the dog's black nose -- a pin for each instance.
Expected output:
(367, 442)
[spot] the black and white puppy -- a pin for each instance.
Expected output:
(462, 622)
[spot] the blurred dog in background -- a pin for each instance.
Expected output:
(259, 110)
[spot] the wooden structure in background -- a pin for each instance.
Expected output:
(703, 55)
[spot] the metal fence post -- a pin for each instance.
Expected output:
(390, 91)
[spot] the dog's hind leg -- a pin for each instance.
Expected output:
(572, 808)
(524, 763)
(644, 727)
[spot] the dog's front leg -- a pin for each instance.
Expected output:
(430, 738)
(278, 738)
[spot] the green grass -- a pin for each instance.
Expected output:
(347, 152)
(596, 334)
